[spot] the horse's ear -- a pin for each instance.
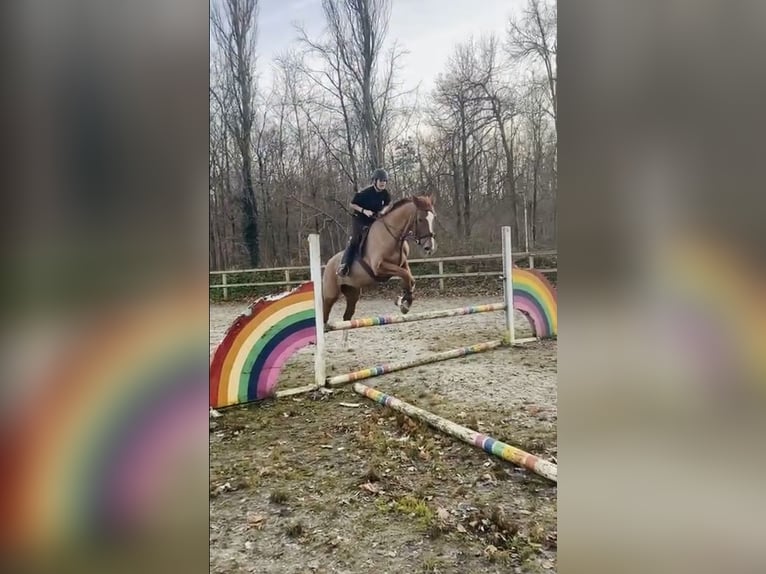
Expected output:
(432, 198)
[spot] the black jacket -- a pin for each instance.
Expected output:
(372, 199)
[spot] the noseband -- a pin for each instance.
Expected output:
(419, 238)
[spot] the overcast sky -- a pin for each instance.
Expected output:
(427, 29)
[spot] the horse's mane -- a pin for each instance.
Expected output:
(399, 202)
(420, 201)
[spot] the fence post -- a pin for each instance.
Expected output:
(225, 290)
(531, 261)
(441, 279)
(287, 279)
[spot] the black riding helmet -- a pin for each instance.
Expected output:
(379, 174)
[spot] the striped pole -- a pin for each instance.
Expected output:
(392, 319)
(505, 451)
(391, 367)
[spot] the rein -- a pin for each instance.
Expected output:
(407, 232)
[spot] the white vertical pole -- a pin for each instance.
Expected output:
(508, 283)
(441, 279)
(316, 278)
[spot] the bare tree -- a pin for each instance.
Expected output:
(353, 50)
(234, 29)
(534, 37)
(458, 93)
(284, 165)
(492, 83)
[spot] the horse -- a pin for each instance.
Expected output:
(383, 255)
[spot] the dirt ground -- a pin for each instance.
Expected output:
(309, 484)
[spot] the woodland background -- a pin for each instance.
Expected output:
(285, 160)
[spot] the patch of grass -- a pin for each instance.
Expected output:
(503, 557)
(500, 472)
(524, 549)
(279, 496)
(295, 530)
(537, 533)
(382, 505)
(371, 439)
(471, 422)
(461, 491)
(501, 521)
(433, 565)
(371, 475)
(494, 526)
(416, 508)
(405, 423)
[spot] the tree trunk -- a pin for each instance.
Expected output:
(456, 195)
(465, 174)
(509, 184)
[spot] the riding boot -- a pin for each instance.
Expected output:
(357, 229)
(345, 265)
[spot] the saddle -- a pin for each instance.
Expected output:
(359, 258)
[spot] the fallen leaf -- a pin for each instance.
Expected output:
(442, 514)
(255, 520)
(490, 550)
(461, 529)
(370, 487)
(350, 405)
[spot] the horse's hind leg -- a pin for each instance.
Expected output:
(352, 297)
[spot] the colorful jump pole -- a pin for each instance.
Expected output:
(378, 370)
(500, 449)
(393, 319)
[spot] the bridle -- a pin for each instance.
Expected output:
(408, 232)
(419, 238)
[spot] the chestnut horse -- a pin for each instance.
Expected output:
(384, 254)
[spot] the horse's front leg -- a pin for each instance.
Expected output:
(404, 301)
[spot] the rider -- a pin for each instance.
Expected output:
(368, 204)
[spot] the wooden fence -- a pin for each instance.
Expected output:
(299, 274)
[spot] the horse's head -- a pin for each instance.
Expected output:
(424, 222)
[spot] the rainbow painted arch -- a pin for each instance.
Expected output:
(535, 297)
(247, 363)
